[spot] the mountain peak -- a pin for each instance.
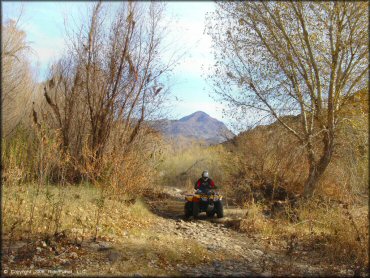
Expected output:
(201, 113)
(198, 125)
(198, 116)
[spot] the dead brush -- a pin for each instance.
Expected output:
(35, 207)
(15, 158)
(254, 220)
(13, 175)
(17, 221)
(182, 167)
(48, 157)
(58, 208)
(359, 241)
(189, 185)
(99, 202)
(332, 230)
(41, 209)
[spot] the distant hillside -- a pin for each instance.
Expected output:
(197, 126)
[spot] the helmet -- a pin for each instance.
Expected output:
(205, 175)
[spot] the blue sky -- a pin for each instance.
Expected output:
(44, 24)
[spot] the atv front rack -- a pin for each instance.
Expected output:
(204, 197)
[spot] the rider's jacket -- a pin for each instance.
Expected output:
(204, 185)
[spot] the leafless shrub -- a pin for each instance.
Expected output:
(17, 77)
(109, 81)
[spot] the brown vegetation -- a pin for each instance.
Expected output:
(80, 171)
(18, 82)
(95, 106)
(88, 127)
(293, 58)
(264, 170)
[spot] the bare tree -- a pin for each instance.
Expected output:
(282, 58)
(109, 81)
(17, 80)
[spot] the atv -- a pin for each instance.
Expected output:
(210, 202)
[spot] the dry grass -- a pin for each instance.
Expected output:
(158, 254)
(72, 209)
(336, 233)
(128, 225)
(181, 168)
(340, 230)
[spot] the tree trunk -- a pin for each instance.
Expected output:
(311, 182)
(317, 169)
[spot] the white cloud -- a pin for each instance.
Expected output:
(187, 28)
(47, 54)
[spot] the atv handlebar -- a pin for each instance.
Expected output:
(210, 192)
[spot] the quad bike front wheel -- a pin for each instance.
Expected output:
(219, 209)
(196, 209)
(211, 211)
(188, 209)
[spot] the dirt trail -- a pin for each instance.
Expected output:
(148, 251)
(243, 255)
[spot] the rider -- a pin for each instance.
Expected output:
(205, 184)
